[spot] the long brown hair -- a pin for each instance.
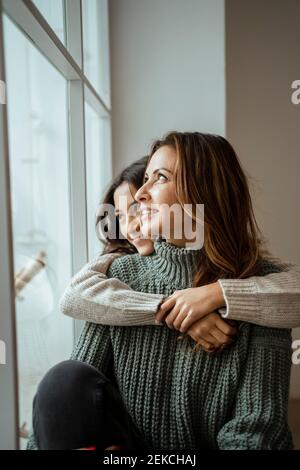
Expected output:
(208, 171)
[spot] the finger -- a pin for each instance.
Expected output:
(179, 320)
(164, 309)
(159, 316)
(221, 337)
(187, 322)
(204, 344)
(209, 338)
(202, 336)
(201, 343)
(171, 316)
(168, 303)
(228, 330)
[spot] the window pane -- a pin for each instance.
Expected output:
(38, 144)
(96, 46)
(53, 12)
(99, 172)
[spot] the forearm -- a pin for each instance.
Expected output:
(93, 297)
(272, 300)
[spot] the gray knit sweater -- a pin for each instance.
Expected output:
(178, 399)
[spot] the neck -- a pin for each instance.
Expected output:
(175, 262)
(184, 243)
(177, 242)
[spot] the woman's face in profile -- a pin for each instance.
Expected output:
(126, 209)
(158, 194)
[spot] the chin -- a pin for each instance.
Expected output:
(145, 249)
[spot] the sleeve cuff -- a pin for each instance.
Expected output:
(241, 299)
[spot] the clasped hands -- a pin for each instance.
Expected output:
(193, 312)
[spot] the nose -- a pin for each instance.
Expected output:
(142, 194)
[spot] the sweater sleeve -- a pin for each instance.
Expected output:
(270, 300)
(93, 297)
(258, 420)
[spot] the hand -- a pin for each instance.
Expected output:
(212, 333)
(185, 307)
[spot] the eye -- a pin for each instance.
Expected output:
(161, 177)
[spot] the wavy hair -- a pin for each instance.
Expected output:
(208, 171)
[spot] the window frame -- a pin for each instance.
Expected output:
(68, 60)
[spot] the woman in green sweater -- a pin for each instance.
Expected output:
(236, 399)
(272, 300)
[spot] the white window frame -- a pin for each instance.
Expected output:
(68, 60)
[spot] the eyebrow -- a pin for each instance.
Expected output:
(157, 170)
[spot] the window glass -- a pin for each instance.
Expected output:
(38, 147)
(97, 129)
(53, 12)
(96, 46)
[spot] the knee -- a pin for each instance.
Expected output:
(64, 404)
(66, 382)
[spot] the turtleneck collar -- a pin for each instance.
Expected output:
(177, 263)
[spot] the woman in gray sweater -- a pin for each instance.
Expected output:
(270, 300)
(173, 265)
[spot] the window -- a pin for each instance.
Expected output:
(58, 163)
(95, 41)
(38, 137)
(98, 169)
(53, 12)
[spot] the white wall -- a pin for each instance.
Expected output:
(262, 60)
(167, 59)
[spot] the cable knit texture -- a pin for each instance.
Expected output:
(178, 399)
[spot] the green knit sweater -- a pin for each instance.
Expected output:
(178, 399)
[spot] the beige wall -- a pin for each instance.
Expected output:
(167, 67)
(262, 60)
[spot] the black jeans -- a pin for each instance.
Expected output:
(77, 406)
